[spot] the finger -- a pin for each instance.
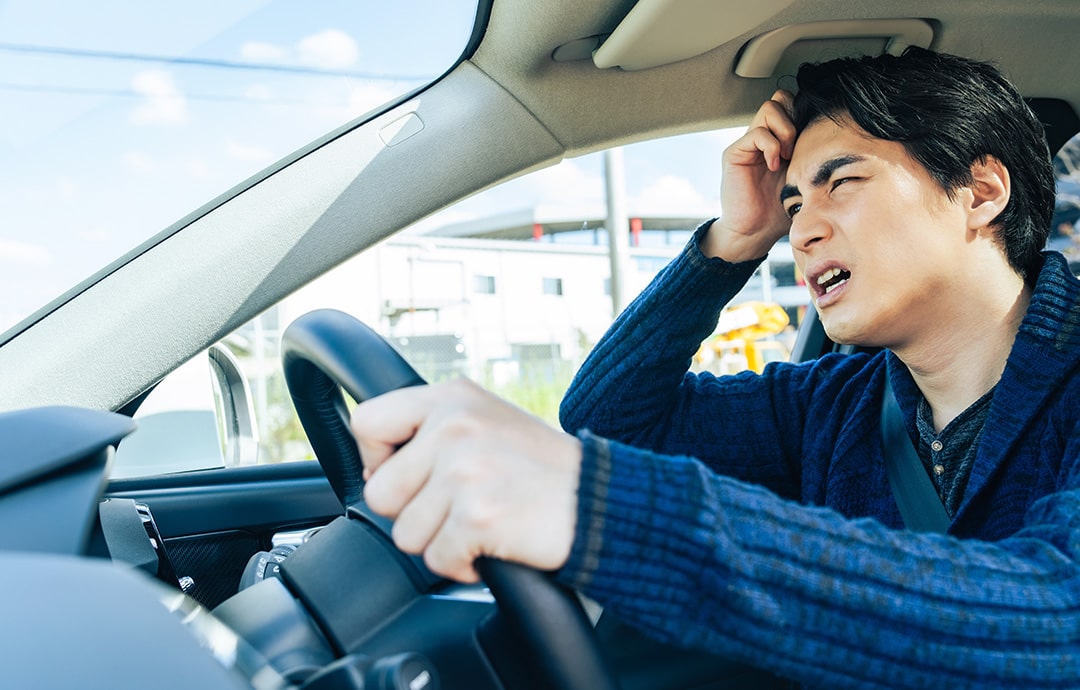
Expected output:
(775, 116)
(772, 111)
(756, 145)
(421, 519)
(786, 99)
(400, 477)
(384, 423)
(451, 552)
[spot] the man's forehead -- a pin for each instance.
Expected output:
(825, 140)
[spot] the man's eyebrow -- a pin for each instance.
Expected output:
(822, 176)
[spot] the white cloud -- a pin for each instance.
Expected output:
(13, 251)
(139, 161)
(567, 184)
(670, 194)
(330, 49)
(367, 95)
(722, 138)
(254, 154)
(363, 97)
(258, 51)
(197, 168)
(95, 235)
(68, 188)
(163, 104)
(258, 92)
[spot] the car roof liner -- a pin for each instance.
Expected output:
(661, 32)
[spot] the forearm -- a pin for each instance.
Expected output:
(631, 381)
(704, 561)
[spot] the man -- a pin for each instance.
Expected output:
(751, 515)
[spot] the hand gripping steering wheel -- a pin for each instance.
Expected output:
(326, 351)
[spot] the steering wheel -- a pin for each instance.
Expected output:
(326, 351)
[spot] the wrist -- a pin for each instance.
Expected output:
(734, 247)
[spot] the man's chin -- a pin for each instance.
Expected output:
(847, 333)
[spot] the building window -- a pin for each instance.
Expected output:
(651, 264)
(484, 285)
(553, 286)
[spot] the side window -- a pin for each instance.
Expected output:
(512, 287)
(177, 426)
(1065, 226)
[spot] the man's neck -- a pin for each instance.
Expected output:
(960, 361)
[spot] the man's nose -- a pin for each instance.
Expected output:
(808, 228)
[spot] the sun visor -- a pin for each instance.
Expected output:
(782, 50)
(659, 32)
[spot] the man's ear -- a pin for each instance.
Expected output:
(990, 191)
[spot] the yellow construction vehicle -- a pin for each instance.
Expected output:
(745, 338)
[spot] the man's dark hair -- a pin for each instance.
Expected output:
(948, 112)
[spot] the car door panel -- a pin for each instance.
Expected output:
(212, 522)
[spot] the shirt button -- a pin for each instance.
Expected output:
(939, 470)
(936, 446)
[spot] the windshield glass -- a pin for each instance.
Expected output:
(118, 118)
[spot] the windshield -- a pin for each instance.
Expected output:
(118, 118)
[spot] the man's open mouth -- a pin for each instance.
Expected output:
(831, 279)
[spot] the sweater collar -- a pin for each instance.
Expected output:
(1046, 349)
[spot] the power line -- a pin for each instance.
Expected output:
(201, 62)
(131, 93)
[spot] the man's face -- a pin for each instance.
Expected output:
(877, 240)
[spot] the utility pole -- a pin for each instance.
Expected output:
(617, 224)
(765, 271)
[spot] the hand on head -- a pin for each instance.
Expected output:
(465, 474)
(754, 171)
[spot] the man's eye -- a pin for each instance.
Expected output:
(836, 183)
(793, 209)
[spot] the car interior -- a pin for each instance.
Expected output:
(278, 576)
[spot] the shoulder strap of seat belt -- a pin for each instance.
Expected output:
(919, 503)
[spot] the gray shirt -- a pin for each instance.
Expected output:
(950, 455)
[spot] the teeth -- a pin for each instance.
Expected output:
(834, 286)
(828, 275)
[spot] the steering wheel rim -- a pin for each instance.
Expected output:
(326, 351)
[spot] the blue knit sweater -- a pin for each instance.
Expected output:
(751, 516)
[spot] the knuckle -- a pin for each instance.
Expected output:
(461, 386)
(442, 563)
(405, 538)
(461, 426)
(464, 472)
(480, 517)
(374, 496)
(434, 562)
(382, 496)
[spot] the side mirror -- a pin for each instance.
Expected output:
(233, 404)
(199, 417)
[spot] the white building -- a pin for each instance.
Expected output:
(483, 297)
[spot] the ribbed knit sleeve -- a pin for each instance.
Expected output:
(635, 386)
(708, 562)
(629, 384)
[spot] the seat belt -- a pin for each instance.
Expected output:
(918, 500)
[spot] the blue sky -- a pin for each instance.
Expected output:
(102, 147)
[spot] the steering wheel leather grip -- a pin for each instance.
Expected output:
(323, 352)
(326, 351)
